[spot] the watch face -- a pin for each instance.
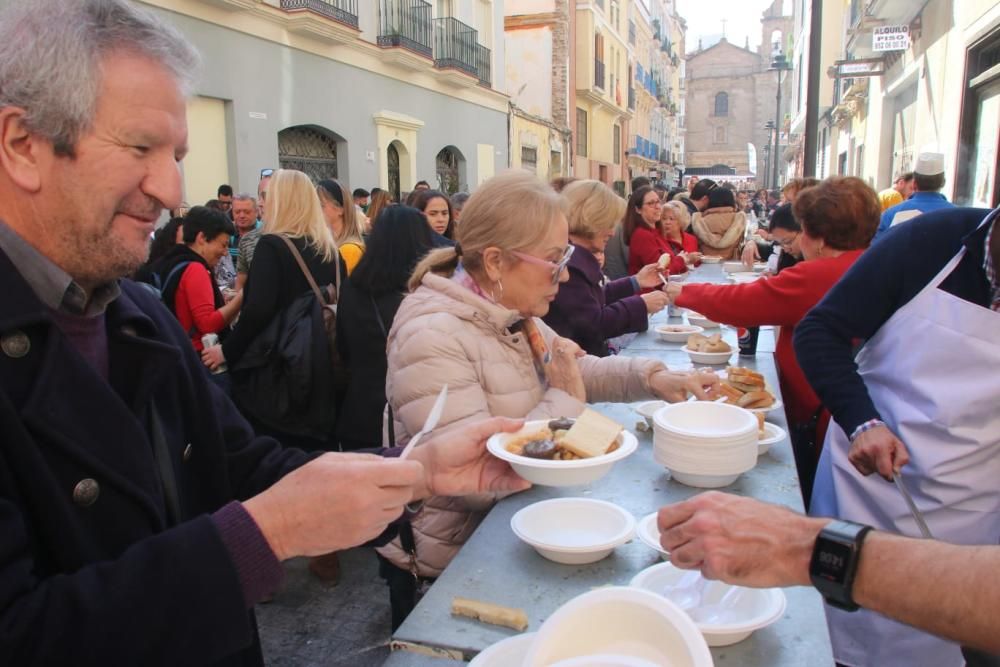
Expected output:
(831, 562)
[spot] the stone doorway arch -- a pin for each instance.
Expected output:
(310, 149)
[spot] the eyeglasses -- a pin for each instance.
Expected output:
(264, 173)
(557, 267)
(656, 203)
(787, 243)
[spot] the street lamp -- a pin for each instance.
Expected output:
(769, 126)
(779, 64)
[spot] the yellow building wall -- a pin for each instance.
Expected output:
(535, 135)
(206, 166)
(484, 158)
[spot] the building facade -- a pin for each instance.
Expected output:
(732, 108)
(375, 93)
(939, 91)
(539, 36)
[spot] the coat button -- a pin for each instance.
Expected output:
(186, 456)
(15, 344)
(85, 492)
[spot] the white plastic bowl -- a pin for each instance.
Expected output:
(709, 259)
(649, 408)
(774, 406)
(704, 419)
(605, 660)
(773, 434)
(700, 320)
(678, 277)
(622, 621)
(559, 473)
(734, 267)
(573, 531)
(677, 333)
(760, 266)
(649, 534)
(741, 278)
(710, 358)
(756, 608)
(504, 653)
(700, 481)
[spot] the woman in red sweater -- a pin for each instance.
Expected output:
(839, 218)
(642, 230)
(186, 275)
(676, 219)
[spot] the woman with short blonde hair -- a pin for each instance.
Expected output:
(675, 220)
(588, 309)
(472, 323)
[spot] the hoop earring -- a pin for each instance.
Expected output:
(493, 294)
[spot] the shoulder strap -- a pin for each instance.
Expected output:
(305, 269)
(173, 272)
(392, 425)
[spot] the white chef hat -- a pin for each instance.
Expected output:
(929, 164)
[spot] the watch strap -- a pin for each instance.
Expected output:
(835, 559)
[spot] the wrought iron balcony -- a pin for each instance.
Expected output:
(483, 67)
(456, 45)
(599, 74)
(342, 11)
(406, 23)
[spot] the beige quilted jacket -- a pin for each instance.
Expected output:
(720, 231)
(445, 334)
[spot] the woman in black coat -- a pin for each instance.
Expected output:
(368, 303)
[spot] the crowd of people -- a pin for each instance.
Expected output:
(182, 413)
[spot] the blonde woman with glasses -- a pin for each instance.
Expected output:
(588, 308)
(467, 324)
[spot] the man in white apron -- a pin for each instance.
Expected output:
(924, 398)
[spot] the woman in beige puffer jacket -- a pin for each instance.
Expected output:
(462, 328)
(720, 228)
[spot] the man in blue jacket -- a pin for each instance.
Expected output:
(140, 518)
(928, 179)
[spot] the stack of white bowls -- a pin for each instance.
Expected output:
(703, 444)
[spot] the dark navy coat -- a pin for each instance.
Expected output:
(91, 569)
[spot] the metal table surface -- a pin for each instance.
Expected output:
(495, 566)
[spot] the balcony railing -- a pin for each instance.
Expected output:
(599, 74)
(407, 23)
(343, 11)
(483, 66)
(456, 45)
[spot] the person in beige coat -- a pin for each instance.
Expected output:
(464, 325)
(720, 228)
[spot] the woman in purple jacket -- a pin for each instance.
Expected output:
(589, 309)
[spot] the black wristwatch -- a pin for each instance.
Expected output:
(835, 562)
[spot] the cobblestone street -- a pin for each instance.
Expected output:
(309, 623)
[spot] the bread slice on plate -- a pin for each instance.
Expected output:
(591, 435)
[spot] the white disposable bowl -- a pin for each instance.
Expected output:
(621, 621)
(649, 534)
(559, 473)
(700, 481)
(677, 333)
(709, 259)
(734, 267)
(704, 419)
(573, 530)
(504, 653)
(774, 406)
(649, 408)
(701, 321)
(678, 277)
(760, 266)
(605, 660)
(740, 278)
(773, 434)
(710, 358)
(757, 608)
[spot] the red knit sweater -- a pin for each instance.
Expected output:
(195, 304)
(646, 246)
(783, 301)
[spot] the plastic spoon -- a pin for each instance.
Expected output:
(720, 612)
(688, 590)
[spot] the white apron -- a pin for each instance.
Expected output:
(933, 372)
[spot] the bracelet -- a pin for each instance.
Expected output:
(867, 426)
(635, 284)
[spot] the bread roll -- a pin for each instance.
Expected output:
(663, 262)
(756, 399)
(731, 393)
